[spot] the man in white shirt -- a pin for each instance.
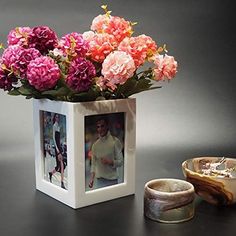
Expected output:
(107, 156)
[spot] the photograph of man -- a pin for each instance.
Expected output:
(106, 156)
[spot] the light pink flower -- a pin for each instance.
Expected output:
(140, 48)
(165, 67)
(88, 35)
(99, 23)
(43, 73)
(100, 45)
(114, 25)
(19, 36)
(117, 68)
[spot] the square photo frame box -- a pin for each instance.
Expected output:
(75, 194)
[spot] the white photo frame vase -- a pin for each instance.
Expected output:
(73, 116)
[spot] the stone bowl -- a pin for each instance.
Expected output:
(213, 178)
(169, 200)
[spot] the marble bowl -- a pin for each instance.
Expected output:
(169, 200)
(214, 178)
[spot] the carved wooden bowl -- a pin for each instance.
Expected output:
(214, 178)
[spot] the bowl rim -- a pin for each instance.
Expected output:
(190, 190)
(209, 176)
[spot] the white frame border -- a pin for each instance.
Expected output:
(75, 113)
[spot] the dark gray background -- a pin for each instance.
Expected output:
(194, 115)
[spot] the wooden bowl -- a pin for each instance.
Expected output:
(214, 178)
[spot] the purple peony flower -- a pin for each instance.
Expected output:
(43, 39)
(6, 80)
(81, 72)
(43, 73)
(74, 45)
(19, 36)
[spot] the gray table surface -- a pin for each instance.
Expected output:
(192, 116)
(25, 211)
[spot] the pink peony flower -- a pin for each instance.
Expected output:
(117, 68)
(10, 56)
(81, 72)
(140, 48)
(43, 73)
(7, 80)
(74, 45)
(25, 57)
(19, 36)
(114, 25)
(17, 59)
(42, 38)
(100, 45)
(165, 67)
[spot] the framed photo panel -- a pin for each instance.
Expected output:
(85, 152)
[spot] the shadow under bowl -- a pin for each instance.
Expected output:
(213, 187)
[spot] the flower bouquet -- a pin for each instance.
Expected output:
(104, 63)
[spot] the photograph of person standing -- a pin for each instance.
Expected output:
(106, 156)
(55, 148)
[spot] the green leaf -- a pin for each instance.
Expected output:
(133, 86)
(124, 90)
(61, 82)
(90, 95)
(25, 91)
(62, 91)
(14, 92)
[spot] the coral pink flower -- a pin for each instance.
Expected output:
(100, 45)
(42, 38)
(149, 43)
(165, 67)
(43, 73)
(140, 48)
(117, 68)
(19, 36)
(119, 27)
(114, 25)
(74, 45)
(81, 72)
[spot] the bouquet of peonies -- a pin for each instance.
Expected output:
(103, 63)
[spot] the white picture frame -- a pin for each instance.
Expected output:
(75, 195)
